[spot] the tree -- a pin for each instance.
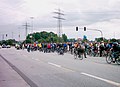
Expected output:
(99, 39)
(113, 40)
(46, 37)
(64, 37)
(4, 42)
(28, 41)
(37, 36)
(71, 40)
(8, 42)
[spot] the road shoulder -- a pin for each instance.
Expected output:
(9, 77)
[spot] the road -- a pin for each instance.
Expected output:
(52, 70)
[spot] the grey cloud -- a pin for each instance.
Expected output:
(13, 3)
(90, 17)
(77, 18)
(10, 9)
(86, 12)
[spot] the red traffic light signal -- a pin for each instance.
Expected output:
(84, 28)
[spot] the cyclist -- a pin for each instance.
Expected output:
(101, 48)
(115, 50)
(81, 50)
(75, 45)
(40, 47)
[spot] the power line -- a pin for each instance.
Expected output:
(26, 28)
(95, 12)
(59, 18)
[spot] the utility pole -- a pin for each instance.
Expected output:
(2, 36)
(19, 37)
(26, 28)
(59, 13)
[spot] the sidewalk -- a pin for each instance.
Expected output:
(9, 77)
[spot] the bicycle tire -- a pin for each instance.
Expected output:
(118, 61)
(81, 56)
(75, 55)
(109, 59)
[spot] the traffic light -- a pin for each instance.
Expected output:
(84, 28)
(76, 28)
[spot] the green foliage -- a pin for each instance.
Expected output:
(106, 40)
(8, 42)
(64, 37)
(71, 40)
(99, 39)
(113, 40)
(27, 41)
(3, 42)
(45, 37)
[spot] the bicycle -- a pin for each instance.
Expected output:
(77, 54)
(111, 59)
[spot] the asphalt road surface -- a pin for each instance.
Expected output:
(40, 69)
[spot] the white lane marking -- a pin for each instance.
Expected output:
(37, 59)
(105, 80)
(68, 69)
(54, 64)
(32, 58)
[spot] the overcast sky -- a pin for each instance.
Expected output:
(103, 15)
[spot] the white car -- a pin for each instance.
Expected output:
(17, 46)
(8, 46)
(3, 46)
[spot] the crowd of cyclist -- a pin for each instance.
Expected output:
(92, 48)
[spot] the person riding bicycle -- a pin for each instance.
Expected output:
(81, 50)
(115, 50)
(75, 44)
(75, 47)
(101, 48)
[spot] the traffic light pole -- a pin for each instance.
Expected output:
(90, 29)
(96, 30)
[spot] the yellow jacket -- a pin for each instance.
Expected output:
(40, 45)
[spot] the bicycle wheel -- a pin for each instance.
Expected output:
(118, 61)
(80, 56)
(109, 59)
(75, 54)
